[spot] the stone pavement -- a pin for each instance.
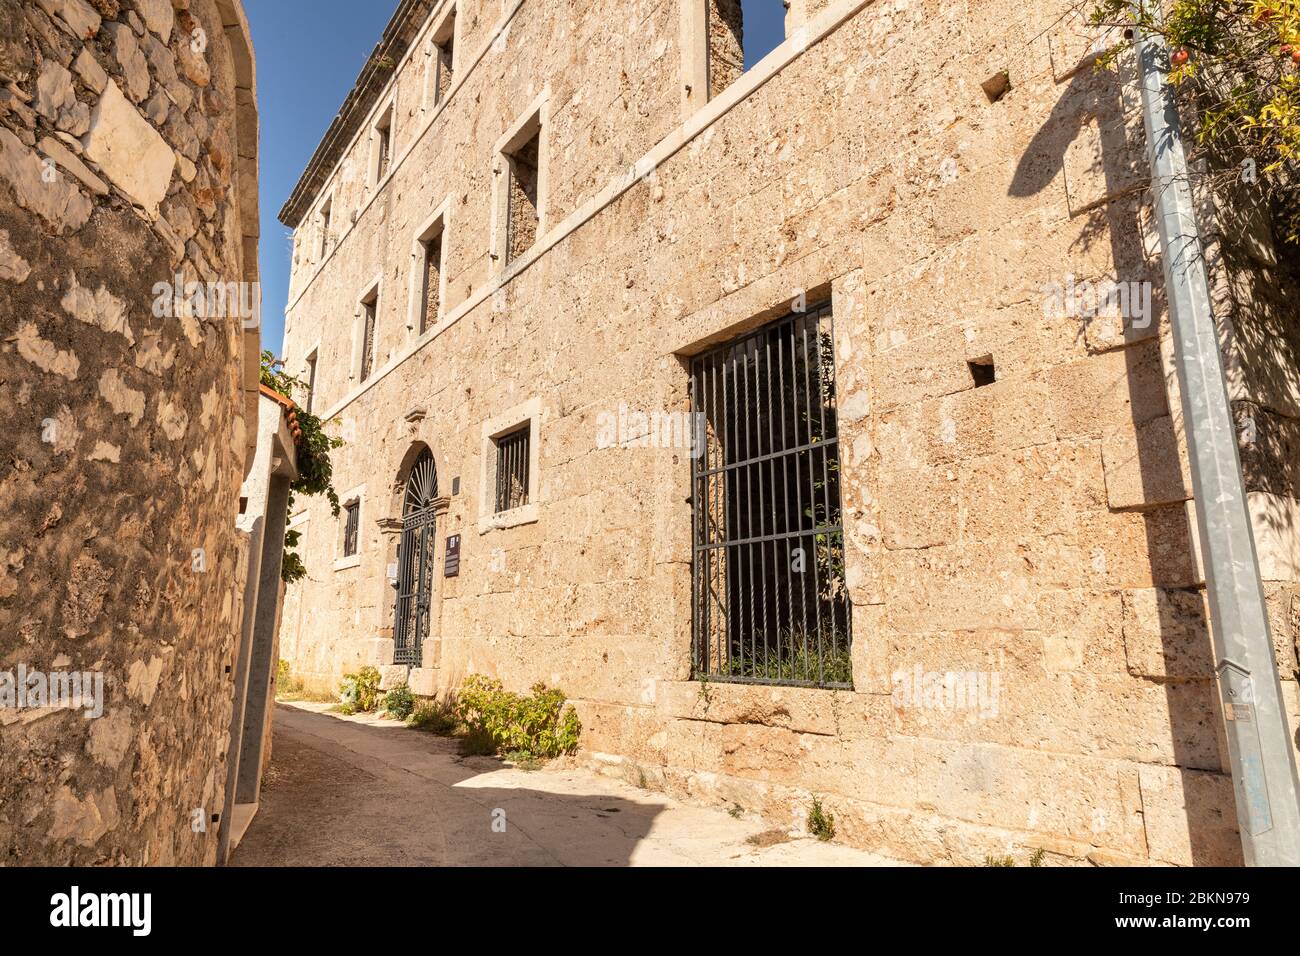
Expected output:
(360, 791)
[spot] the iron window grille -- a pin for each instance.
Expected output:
(512, 470)
(368, 343)
(351, 524)
(770, 604)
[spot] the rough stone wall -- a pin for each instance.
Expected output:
(127, 156)
(726, 44)
(1036, 527)
(523, 199)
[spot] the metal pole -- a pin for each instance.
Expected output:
(1259, 741)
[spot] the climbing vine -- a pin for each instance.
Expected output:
(1236, 63)
(315, 470)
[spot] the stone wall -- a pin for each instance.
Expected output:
(1036, 526)
(128, 151)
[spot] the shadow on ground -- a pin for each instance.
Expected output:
(345, 793)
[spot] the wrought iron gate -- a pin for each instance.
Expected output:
(415, 558)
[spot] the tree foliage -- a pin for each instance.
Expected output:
(315, 470)
(1236, 63)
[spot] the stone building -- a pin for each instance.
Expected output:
(129, 354)
(811, 422)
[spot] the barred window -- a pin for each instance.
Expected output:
(770, 602)
(351, 524)
(512, 470)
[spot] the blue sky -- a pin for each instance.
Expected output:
(309, 53)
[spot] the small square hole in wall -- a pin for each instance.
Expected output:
(982, 371)
(455, 486)
(997, 86)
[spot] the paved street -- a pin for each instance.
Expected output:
(361, 791)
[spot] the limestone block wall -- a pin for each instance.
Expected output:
(128, 150)
(1036, 527)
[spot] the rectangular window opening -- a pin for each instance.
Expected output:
(523, 206)
(726, 24)
(351, 526)
(430, 280)
(369, 312)
(770, 603)
(444, 57)
(383, 144)
(512, 469)
(310, 400)
(326, 215)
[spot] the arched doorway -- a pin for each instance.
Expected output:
(415, 560)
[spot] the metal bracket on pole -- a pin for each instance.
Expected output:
(1259, 739)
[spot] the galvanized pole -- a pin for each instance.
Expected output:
(1259, 741)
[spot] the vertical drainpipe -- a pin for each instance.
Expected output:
(1259, 741)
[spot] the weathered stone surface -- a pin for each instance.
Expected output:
(13, 267)
(130, 152)
(62, 205)
(1144, 466)
(1167, 634)
(158, 16)
(102, 400)
(131, 61)
(99, 308)
(53, 149)
(91, 73)
(77, 15)
(53, 90)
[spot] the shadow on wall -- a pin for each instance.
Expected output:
(424, 805)
(1166, 639)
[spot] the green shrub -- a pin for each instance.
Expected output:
(359, 691)
(436, 717)
(537, 726)
(285, 683)
(821, 822)
(399, 702)
(999, 861)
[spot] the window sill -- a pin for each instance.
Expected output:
(526, 514)
(351, 561)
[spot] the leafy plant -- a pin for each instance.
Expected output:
(1236, 65)
(359, 692)
(999, 861)
(315, 469)
(538, 726)
(399, 703)
(821, 822)
(285, 682)
(794, 656)
(437, 717)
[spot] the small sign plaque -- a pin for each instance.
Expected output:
(451, 563)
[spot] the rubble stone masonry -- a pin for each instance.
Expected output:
(128, 157)
(942, 173)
